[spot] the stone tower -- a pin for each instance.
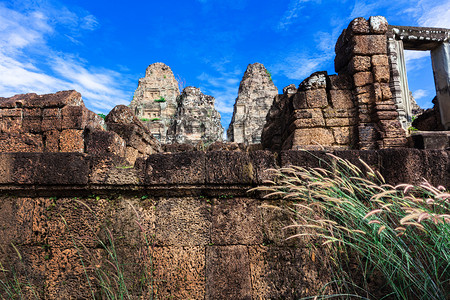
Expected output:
(256, 94)
(154, 100)
(196, 119)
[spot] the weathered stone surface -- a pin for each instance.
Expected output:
(219, 170)
(381, 73)
(179, 272)
(183, 167)
(124, 123)
(227, 273)
(344, 135)
(301, 267)
(359, 26)
(313, 136)
(154, 100)
(363, 78)
(196, 120)
(341, 99)
(369, 44)
(378, 24)
(236, 221)
(439, 140)
(307, 118)
(380, 60)
(182, 222)
(340, 82)
(256, 94)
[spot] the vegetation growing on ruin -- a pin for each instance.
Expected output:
(377, 234)
(160, 99)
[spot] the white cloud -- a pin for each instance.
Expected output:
(434, 13)
(300, 66)
(291, 14)
(29, 64)
(419, 94)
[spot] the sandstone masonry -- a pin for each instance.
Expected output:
(256, 94)
(352, 110)
(196, 119)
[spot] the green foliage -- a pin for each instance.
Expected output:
(270, 74)
(399, 235)
(102, 116)
(155, 119)
(412, 128)
(160, 99)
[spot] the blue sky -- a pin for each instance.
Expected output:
(102, 48)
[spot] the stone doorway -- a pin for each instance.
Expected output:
(420, 38)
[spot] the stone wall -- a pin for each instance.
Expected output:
(207, 238)
(61, 123)
(352, 110)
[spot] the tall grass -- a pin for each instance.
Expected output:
(378, 234)
(110, 280)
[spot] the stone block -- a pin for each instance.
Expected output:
(177, 168)
(73, 117)
(316, 98)
(330, 112)
(402, 165)
(386, 91)
(431, 140)
(380, 60)
(62, 169)
(51, 141)
(299, 100)
(21, 142)
(336, 122)
(71, 140)
(307, 118)
(365, 95)
(223, 167)
(359, 26)
(378, 24)
(381, 73)
(341, 99)
(12, 125)
(12, 112)
(367, 136)
(131, 154)
(179, 272)
(310, 159)
(288, 273)
(339, 82)
(313, 136)
(227, 273)
(344, 135)
(236, 221)
(359, 64)
(362, 78)
(182, 222)
(263, 160)
(387, 115)
(396, 142)
(392, 128)
(99, 142)
(369, 44)
(51, 119)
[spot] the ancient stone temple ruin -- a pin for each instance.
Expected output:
(367, 105)
(196, 119)
(256, 94)
(187, 118)
(155, 99)
(81, 196)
